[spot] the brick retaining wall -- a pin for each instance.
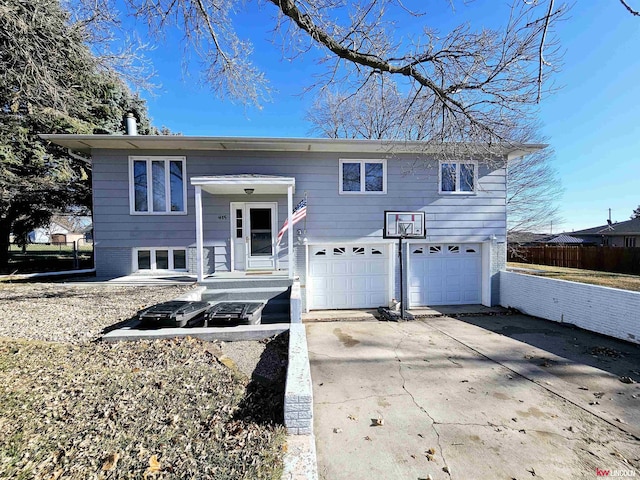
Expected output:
(609, 311)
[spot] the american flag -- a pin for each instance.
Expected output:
(299, 212)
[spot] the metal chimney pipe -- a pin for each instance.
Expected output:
(132, 127)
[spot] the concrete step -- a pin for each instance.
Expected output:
(275, 306)
(226, 283)
(271, 318)
(244, 294)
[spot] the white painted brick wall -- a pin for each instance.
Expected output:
(498, 264)
(298, 395)
(609, 311)
(295, 303)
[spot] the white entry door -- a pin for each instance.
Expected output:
(441, 274)
(254, 231)
(348, 275)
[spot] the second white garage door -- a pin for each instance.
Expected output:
(348, 276)
(445, 274)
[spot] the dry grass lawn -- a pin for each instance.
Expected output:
(161, 409)
(604, 279)
(72, 407)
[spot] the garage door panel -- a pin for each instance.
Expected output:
(377, 299)
(339, 268)
(358, 284)
(349, 276)
(319, 269)
(445, 274)
(377, 283)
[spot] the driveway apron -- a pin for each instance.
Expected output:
(410, 401)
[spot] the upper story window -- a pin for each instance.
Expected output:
(363, 176)
(458, 177)
(157, 185)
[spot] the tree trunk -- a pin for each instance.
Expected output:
(5, 227)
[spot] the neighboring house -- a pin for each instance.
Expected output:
(62, 229)
(562, 239)
(619, 234)
(525, 239)
(210, 204)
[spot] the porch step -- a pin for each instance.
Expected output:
(247, 282)
(272, 306)
(271, 318)
(236, 294)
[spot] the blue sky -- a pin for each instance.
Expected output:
(592, 122)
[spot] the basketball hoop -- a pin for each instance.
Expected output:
(403, 225)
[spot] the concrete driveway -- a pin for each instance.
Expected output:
(452, 399)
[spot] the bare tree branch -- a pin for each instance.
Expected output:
(380, 111)
(629, 9)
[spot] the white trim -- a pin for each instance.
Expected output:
(232, 233)
(149, 159)
(289, 230)
(457, 190)
(153, 262)
(487, 252)
(392, 270)
(232, 180)
(199, 235)
(350, 241)
(362, 162)
(306, 277)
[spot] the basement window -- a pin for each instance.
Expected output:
(161, 258)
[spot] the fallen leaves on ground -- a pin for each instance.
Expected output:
(165, 409)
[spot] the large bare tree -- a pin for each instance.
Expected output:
(379, 111)
(473, 83)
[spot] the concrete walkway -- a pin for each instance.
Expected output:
(444, 398)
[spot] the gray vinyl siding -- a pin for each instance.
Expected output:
(330, 216)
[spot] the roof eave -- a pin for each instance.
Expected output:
(87, 143)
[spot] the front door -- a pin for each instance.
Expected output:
(253, 231)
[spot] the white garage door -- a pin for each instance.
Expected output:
(445, 274)
(348, 276)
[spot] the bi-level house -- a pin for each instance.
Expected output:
(208, 205)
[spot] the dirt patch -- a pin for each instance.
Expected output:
(76, 314)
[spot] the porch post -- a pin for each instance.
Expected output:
(290, 229)
(199, 240)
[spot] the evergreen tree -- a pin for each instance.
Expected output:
(51, 83)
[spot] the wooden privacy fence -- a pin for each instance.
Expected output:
(604, 259)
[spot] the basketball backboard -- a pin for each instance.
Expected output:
(404, 225)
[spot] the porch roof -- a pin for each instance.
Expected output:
(238, 184)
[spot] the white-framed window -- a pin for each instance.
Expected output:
(629, 241)
(157, 185)
(457, 177)
(363, 176)
(159, 258)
